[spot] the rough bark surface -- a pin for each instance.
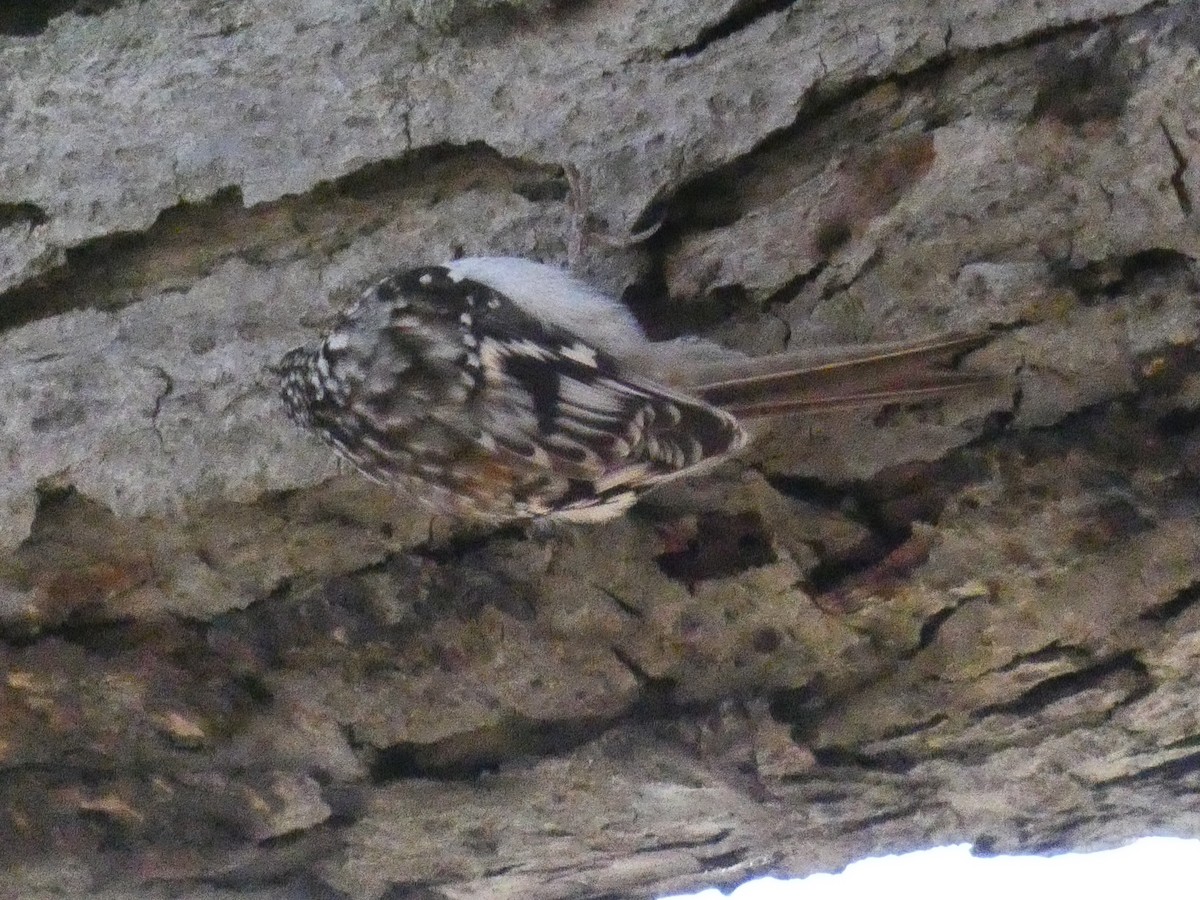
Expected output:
(230, 670)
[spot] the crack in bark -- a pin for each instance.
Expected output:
(1055, 651)
(28, 18)
(28, 213)
(932, 625)
(1059, 687)
(1182, 743)
(726, 860)
(467, 755)
(1183, 600)
(628, 608)
(96, 267)
(412, 890)
(1182, 194)
(790, 290)
(743, 15)
(691, 844)
(640, 675)
(190, 239)
(168, 388)
(1168, 771)
(890, 763)
(905, 811)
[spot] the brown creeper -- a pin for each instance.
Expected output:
(500, 389)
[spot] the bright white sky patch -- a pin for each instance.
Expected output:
(1150, 867)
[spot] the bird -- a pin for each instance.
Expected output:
(500, 390)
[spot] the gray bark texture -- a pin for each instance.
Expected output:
(232, 670)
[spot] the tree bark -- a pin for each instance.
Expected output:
(232, 670)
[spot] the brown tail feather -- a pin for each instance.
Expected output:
(840, 378)
(852, 401)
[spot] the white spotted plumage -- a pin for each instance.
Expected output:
(503, 389)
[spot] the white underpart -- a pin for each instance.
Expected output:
(556, 297)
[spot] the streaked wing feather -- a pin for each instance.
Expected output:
(555, 400)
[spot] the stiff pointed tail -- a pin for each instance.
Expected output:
(841, 377)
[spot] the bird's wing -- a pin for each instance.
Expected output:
(555, 404)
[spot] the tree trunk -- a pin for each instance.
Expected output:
(231, 670)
